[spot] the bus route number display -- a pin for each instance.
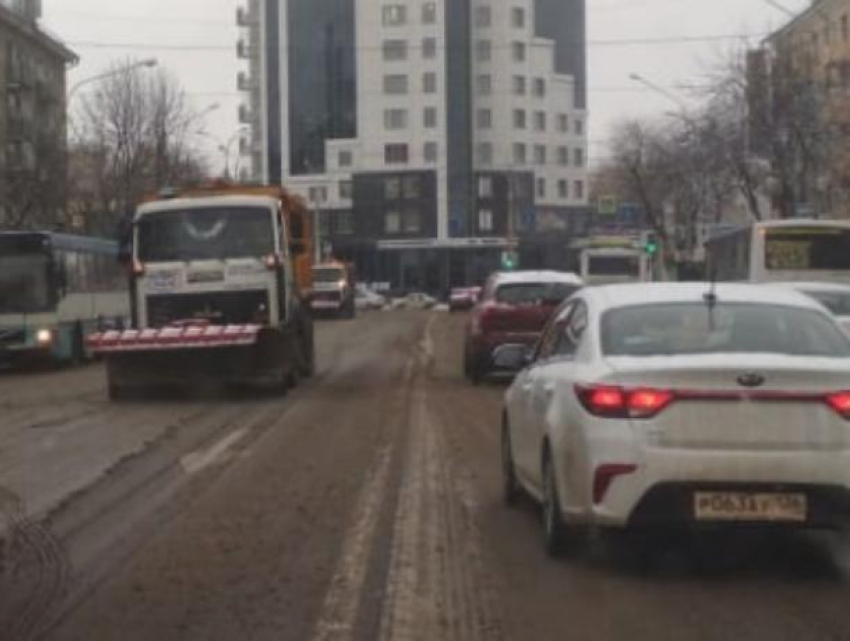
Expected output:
(788, 254)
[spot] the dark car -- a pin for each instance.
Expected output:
(514, 308)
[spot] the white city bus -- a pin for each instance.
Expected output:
(55, 289)
(782, 251)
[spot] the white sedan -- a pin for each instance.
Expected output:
(648, 405)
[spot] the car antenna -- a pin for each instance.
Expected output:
(710, 298)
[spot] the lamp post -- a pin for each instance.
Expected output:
(659, 90)
(146, 63)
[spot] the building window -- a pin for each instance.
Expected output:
(345, 190)
(412, 222)
(325, 227)
(429, 48)
(484, 84)
(395, 119)
(485, 119)
(429, 117)
(345, 159)
(429, 13)
(540, 121)
(540, 154)
(412, 188)
(396, 154)
(430, 152)
(579, 189)
(539, 87)
(519, 119)
(429, 82)
(563, 123)
(483, 51)
(395, 50)
(541, 188)
(483, 16)
(518, 17)
(394, 15)
(578, 126)
(392, 188)
(395, 85)
(392, 222)
(485, 187)
(564, 156)
(563, 189)
(519, 85)
(484, 154)
(518, 49)
(520, 153)
(345, 223)
(485, 220)
(317, 194)
(578, 157)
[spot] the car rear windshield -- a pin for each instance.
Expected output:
(698, 328)
(534, 293)
(836, 302)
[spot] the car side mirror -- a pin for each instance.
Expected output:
(512, 358)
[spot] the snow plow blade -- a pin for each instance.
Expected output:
(173, 338)
(192, 358)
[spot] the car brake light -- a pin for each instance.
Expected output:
(840, 402)
(617, 402)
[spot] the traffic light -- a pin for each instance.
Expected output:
(650, 245)
(510, 260)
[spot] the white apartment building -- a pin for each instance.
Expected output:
(430, 134)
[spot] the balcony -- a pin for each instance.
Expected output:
(247, 116)
(245, 51)
(248, 16)
(246, 82)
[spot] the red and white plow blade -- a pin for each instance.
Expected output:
(177, 337)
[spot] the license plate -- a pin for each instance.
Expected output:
(745, 506)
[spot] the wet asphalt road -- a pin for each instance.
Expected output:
(363, 506)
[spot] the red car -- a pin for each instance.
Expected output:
(514, 308)
(463, 298)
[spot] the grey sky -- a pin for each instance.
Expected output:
(196, 40)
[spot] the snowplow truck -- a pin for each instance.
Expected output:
(217, 277)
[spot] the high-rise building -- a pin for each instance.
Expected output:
(431, 135)
(33, 154)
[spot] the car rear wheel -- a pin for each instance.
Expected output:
(559, 538)
(510, 486)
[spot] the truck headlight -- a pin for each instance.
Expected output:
(44, 337)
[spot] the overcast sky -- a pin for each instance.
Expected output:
(196, 40)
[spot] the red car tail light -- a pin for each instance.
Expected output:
(840, 402)
(617, 402)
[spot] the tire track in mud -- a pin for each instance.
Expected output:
(34, 571)
(437, 585)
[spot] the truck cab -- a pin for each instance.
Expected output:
(334, 289)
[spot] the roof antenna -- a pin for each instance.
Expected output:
(710, 298)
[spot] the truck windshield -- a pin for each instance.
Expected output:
(199, 234)
(328, 275)
(614, 266)
(25, 283)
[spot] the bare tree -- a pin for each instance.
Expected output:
(131, 139)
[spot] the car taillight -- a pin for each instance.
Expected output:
(617, 402)
(840, 402)
(490, 312)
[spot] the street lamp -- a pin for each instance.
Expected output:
(147, 63)
(659, 90)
